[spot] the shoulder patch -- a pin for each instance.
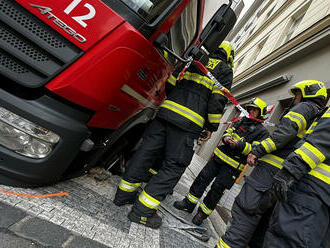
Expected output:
(213, 63)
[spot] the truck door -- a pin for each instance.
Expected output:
(147, 68)
(159, 15)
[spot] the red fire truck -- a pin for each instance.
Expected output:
(80, 79)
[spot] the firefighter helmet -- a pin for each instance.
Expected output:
(258, 103)
(229, 50)
(310, 89)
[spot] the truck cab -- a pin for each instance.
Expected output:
(80, 80)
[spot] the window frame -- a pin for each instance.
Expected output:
(132, 17)
(300, 13)
(257, 52)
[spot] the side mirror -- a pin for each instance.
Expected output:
(218, 28)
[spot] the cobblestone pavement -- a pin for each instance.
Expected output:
(85, 218)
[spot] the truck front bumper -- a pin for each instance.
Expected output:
(66, 121)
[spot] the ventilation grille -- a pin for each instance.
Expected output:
(31, 53)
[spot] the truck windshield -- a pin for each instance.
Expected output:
(148, 9)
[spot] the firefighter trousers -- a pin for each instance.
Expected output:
(302, 221)
(224, 176)
(177, 146)
(250, 205)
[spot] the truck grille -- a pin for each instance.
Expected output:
(31, 53)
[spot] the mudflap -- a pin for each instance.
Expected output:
(173, 220)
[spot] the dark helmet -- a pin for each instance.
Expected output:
(258, 103)
(310, 89)
(229, 50)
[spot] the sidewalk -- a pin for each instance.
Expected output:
(88, 218)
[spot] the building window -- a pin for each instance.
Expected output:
(258, 51)
(294, 23)
(269, 13)
(251, 30)
(238, 64)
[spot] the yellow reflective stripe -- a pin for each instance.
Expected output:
(298, 119)
(217, 92)
(302, 134)
(321, 172)
(273, 160)
(326, 114)
(226, 159)
(241, 167)
(165, 53)
(310, 154)
(229, 132)
(183, 111)
(236, 136)
(205, 209)
(269, 145)
(148, 200)
(247, 148)
(152, 171)
(311, 128)
(172, 80)
(255, 143)
(192, 198)
(143, 220)
(222, 244)
(127, 186)
(214, 118)
(203, 80)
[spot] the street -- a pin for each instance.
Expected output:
(86, 218)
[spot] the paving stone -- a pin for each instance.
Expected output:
(42, 231)
(82, 242)
(87, 216)
(9, 240)
(9, 215)
(91, 203)
(170, 238)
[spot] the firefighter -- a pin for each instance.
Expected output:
(193, 103)
(225, 166)
(301, 217)
(255, 197)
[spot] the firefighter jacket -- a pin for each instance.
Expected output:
(292, 128)
(312, 158)
(246, 132)
(195, 103)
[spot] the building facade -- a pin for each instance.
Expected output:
(278, 43)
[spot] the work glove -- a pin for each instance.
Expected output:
(283, 180)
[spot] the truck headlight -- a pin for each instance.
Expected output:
(24, 137)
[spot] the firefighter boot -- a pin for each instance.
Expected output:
(198, 218)
(184, 205)
(154, 221)
(123, 197)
